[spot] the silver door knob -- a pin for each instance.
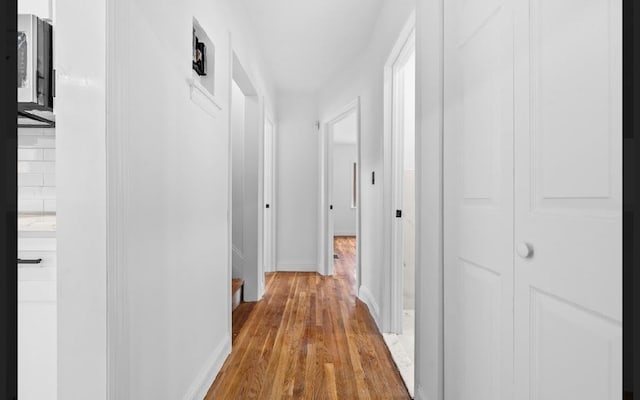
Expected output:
(524, 250)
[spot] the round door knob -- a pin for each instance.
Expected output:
(525, 250)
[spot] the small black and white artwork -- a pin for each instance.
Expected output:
(199, 55)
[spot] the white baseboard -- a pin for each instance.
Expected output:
(344, 234)
(297, 268)
(367, 297)
(200, 386)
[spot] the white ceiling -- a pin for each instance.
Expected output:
(307, 41)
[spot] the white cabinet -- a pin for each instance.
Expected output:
(37, 339)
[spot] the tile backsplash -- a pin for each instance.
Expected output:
(36, 171)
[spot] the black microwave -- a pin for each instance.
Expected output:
(35, 66)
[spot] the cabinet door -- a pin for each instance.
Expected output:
(478, 220)
(568, 289)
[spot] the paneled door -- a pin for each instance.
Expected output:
(568, 187)
(478, 190)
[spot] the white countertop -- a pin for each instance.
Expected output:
(37, 225)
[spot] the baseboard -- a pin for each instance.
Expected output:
(367, 297)
(200, 386)
(349, 234)
(297, 268)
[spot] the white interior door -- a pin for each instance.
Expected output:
(478, 202)
(402, 120)
(268, 170)
(330, 222)
(568, 302)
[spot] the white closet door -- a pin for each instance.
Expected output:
(478, 202)
(568, 302)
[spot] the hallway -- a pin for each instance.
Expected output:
(309, 337)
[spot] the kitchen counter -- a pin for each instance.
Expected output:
(37, 225)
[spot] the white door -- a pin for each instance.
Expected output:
(330, 224)
(403, 134)
(568, 187)
(533, 210)
(478, 202)
(268, 226)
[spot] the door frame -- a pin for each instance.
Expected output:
(267, 118)
(393, 289)
(9, 183)
(253, 252)
(326, 156)
(429, 345)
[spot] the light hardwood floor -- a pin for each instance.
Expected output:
(308, 338)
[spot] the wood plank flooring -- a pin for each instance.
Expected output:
(308, 338)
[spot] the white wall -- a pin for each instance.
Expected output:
(177, 164)
(365, 79)
(165, 163)
(344, 215)
(297, 183)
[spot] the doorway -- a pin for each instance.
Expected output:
(8, 205)
(400, 114)
(269, 229)
(341, 187)
(36, 223)
(246, 116)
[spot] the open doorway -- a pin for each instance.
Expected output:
(247, 263)
(400, 76)
(341, 194)
(269, 171)
(36, 179)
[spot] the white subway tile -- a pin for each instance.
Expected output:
(30, 205)
(50, 205)
(50, 154)
(38, 142)
(37, 193)
(35, 131)
(30, 154)
(31, 180)
(30, 193)
(27, 167)
(48, 193)
(50, 179)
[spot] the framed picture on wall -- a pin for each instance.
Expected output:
(199, 55)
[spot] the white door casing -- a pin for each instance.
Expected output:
(398, 113)
(478, 200)
(568, 196)
(393, 175)
(269, 191)
(326, 188)
(330, 222)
